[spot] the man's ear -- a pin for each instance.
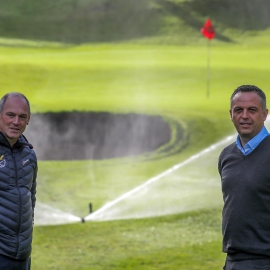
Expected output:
(230, 111)
(265, 114)
(29, 119)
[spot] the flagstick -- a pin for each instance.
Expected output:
(208, 69)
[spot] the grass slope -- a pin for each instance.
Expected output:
(176, 21)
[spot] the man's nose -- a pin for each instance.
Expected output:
(16, 120)
(245, 114)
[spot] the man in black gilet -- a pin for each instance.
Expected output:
(244, 167)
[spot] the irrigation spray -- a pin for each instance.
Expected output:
(189, 188)
(104, 212)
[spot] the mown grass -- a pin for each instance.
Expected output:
(165, 80)
(145, 75)
(184, 241)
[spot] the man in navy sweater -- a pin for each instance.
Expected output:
(244, 167)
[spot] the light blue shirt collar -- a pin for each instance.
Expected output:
(253, 143)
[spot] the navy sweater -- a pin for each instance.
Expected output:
(246, 195)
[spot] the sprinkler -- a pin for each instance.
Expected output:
(90, 208)
(90, 212)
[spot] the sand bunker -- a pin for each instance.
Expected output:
(93, 135)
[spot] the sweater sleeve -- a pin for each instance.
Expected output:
(33, 190)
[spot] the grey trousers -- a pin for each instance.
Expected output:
(258, 264)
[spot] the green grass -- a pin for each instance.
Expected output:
(185, 241)
(164, 21)
(106, 77)
(138, 77)
(152, 60)
(78, 181)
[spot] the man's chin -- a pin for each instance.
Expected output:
(247, 135)
(245, 131)
(13, 136)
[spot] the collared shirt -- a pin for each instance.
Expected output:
(253, 143)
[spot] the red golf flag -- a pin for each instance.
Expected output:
(208, 29)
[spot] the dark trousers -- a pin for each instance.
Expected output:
(258, 264)
(7, 263)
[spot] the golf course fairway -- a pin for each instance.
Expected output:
(124, 78)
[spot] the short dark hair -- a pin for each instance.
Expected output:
(251, 88)
(5, 97)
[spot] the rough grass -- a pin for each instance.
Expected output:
(172, 21)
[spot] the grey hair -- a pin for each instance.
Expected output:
(251, 88)
(5, 97)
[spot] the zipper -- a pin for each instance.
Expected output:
(20, 201)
